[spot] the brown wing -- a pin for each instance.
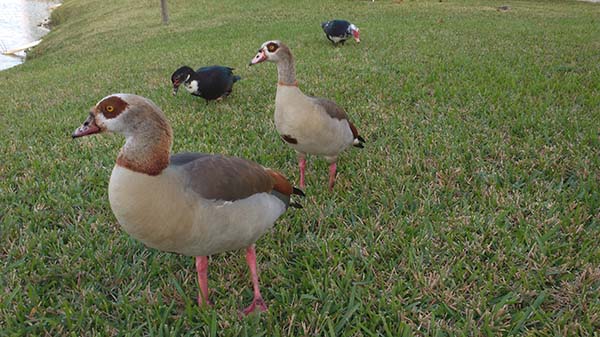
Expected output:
(283, 190)
(280, 183)
(222, 178)
(354, 131)
(332, 109)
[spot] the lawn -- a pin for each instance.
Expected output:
(474, 208)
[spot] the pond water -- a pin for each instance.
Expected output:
(19, 25)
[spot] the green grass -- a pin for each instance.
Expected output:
(473, 210)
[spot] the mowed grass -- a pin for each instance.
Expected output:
(473, 210)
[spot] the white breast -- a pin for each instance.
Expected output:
(337, 39)
(316, 131)
(191, 87)
(163, 214)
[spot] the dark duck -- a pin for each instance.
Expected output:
(338, 31)
(210, 83)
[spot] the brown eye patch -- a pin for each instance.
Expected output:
(271, 47)
(112, 106)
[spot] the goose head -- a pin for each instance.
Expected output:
(148, 135)
(126, 114)
(272, 51)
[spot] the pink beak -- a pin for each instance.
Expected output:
(88, 127)
(260, 57)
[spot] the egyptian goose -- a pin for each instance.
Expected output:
(310, 125)
(210, 83)
(338, 31)
(189, 203)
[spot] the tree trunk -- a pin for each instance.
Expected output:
(164, 12)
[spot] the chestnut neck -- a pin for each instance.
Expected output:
(148, 150)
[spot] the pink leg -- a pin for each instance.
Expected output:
(257, 302)
(202, 269)
(302, 165)
(332, 168)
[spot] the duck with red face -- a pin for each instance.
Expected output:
(338, 31)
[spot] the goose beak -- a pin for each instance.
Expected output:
(88, 127)
(260, 57)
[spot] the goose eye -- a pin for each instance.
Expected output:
(271, 47)
(110, 108)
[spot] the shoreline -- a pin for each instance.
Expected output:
(24, 25)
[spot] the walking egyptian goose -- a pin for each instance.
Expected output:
(310, 125)
(189, 203)
(338, 31)
(210, 83)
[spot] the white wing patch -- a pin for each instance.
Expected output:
(191, 87)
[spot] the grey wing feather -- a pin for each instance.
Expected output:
(332, 109)
(222, 178)
(186, 157)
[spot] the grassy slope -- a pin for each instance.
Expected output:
(474, 209)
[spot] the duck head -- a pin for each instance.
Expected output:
(352, 29)
(180, 76)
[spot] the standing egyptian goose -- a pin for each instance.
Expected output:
(210, 83)
(310, 125)
(189, 203)
(338, 31)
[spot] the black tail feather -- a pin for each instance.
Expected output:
(360, 143)
(299, 192)
(296, 205)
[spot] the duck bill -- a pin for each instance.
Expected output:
(176, 84)
(89, 127)
(260, 57)
(356, 35)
